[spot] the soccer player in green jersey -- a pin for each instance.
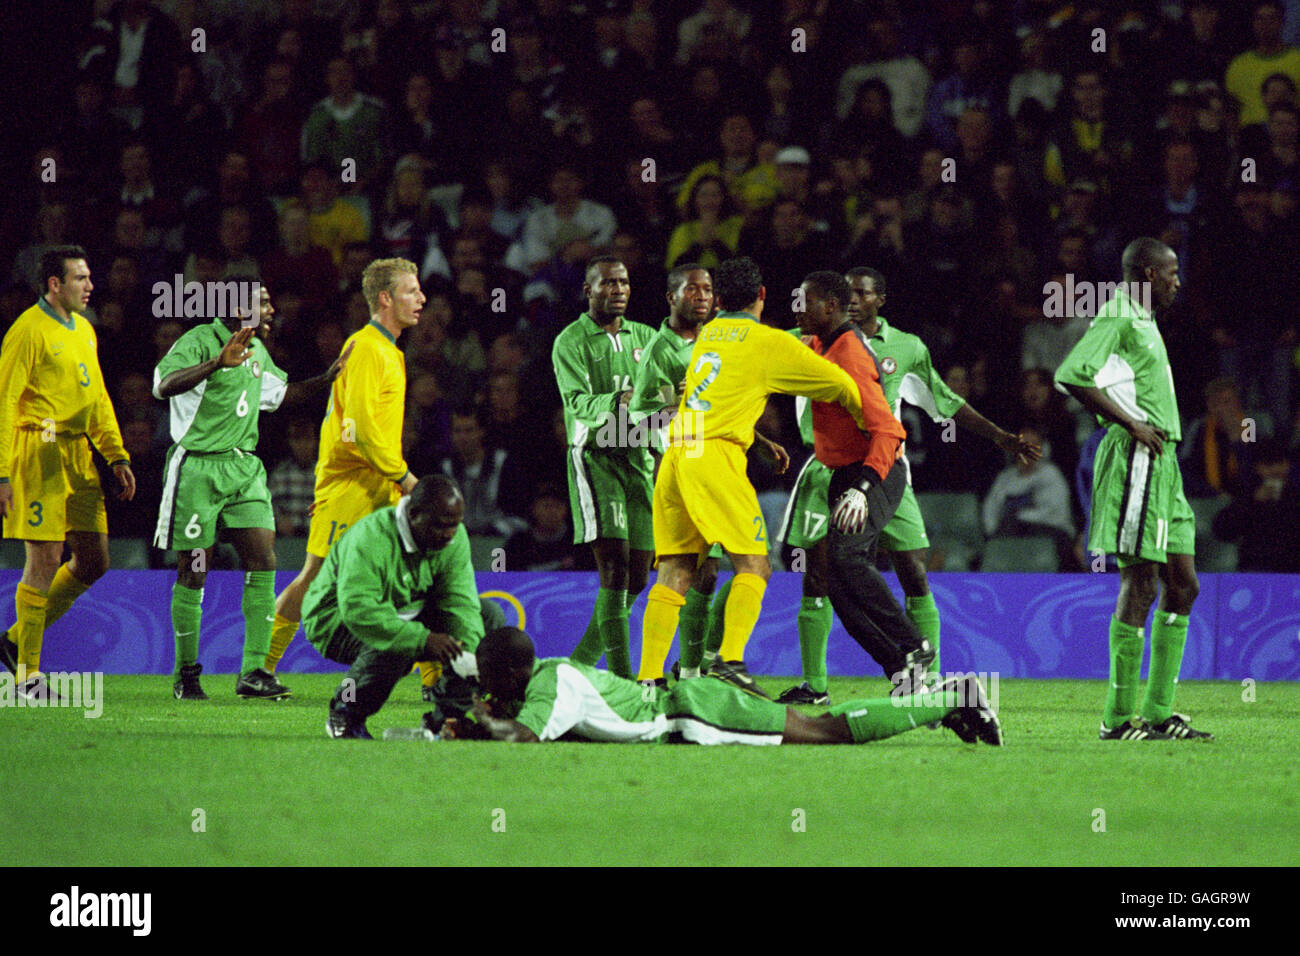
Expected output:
(906, 374)
(656, 394)
(396, 589)
(609, 465)
(219, 377)
(1120, 372)
(532, 700)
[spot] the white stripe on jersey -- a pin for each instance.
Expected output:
(914, 391)
(698, 732)
(579, 707)
(1117, 380)
(273, 389)
(184, 407)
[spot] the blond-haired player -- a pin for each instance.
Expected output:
(360, 467)
(53, 408)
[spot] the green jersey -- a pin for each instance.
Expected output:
(592, 370)
(565, 696)
(376, 583)
(220, 413)
(662, 368)
(906, 375)
(1123, 355)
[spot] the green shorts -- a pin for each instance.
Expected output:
(202, 492)
(906, 530)
(707, 711)
(610, 497)
(807, 514)
(1139, 511)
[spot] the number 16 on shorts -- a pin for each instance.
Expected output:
(618, 515)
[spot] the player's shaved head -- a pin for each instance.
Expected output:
(594, 264)
(876, 277)
(1141, 254)
(433, 490)
(435, 512)
(505, 663)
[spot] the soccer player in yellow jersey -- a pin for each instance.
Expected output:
(53, 407)
(702, 495)
(360, 467)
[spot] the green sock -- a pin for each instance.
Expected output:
(692, 625)
(814, 621)
(1168, 638)
(611, 621)
(258, 605)
(880, 717)
(187, 615)
(717, 618)
(925, 615)
(1125, 666)
(590, 647)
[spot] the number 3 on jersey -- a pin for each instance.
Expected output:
(714, 361)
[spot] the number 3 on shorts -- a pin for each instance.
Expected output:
(37, 514)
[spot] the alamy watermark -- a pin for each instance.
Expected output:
(1069, 299)
(82, 690)
(234, 298)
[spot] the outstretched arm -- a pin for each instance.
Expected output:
(1017, 446)
(483, 726)
(296, 393)
(233, 354)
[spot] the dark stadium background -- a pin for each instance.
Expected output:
(579, 85)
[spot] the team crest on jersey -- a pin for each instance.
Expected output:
(257, 369)
(636, 354)
(888, 365)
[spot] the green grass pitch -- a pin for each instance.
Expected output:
(133, 786)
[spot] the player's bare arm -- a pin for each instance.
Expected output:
(773, 452)
(1023, 450)
(234, 354)
(1095, 401)
(296, 393)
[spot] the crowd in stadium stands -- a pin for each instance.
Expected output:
(970, 151)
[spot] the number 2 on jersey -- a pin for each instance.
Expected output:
(714, 361)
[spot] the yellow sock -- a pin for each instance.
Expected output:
(282, 632)
(658, 626)
(64, 589)
(741, 614)
(430, 671)
(30, 627)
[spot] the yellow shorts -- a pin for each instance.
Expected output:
(341, 504)
(703, 497)
(56, 488)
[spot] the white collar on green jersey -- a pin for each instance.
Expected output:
(404, 525)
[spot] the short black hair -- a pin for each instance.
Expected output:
(595, 261)
(736, 283)
(1143, 253)
(432, 489)
(679, 273)
(829, 285)
(507, 646)
(877, 278)
(54, 264)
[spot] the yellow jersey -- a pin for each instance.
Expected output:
(362, 430)
(735, 364)
(50, 377)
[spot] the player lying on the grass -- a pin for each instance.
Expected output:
(656, 394)
(396, 589)
(219, 377)
(906, 373)
(1120, 371)
(531, 700)
(53, 408)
